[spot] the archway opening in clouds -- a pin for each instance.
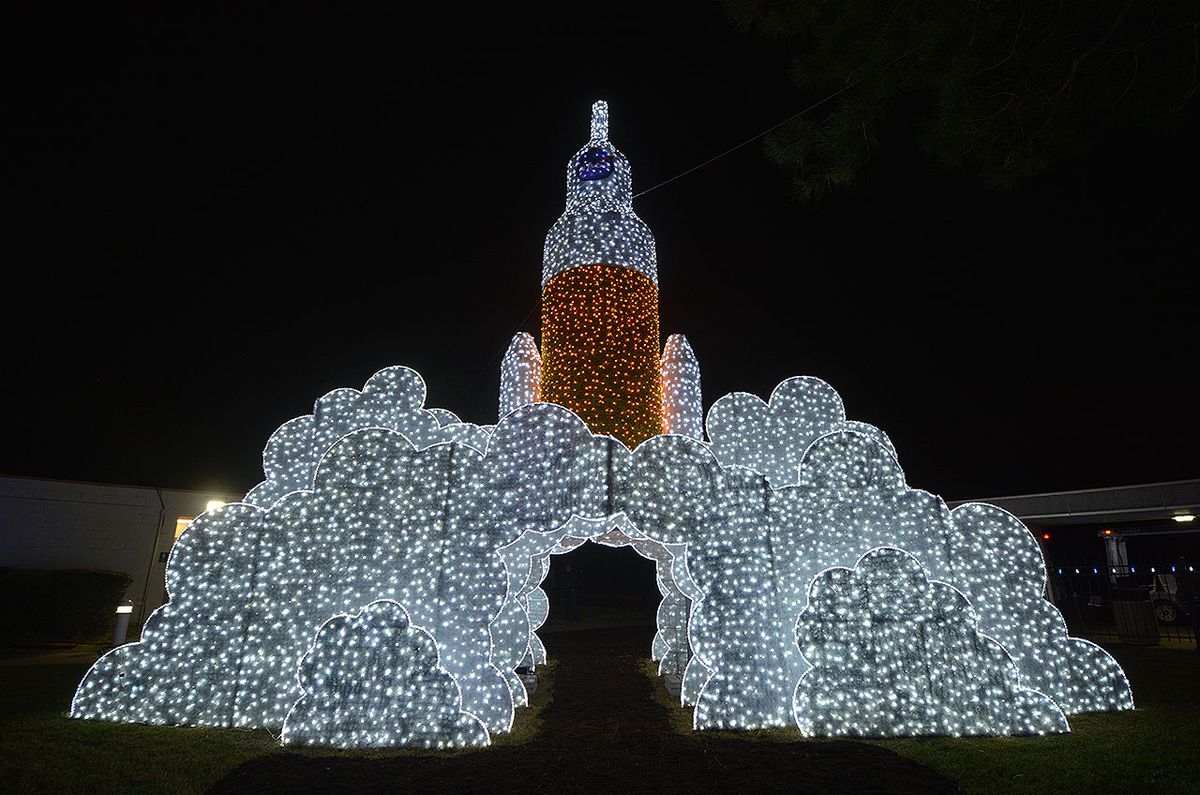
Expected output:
(596, 584)
(602, 573)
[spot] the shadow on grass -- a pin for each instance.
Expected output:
(595, 724)
(601, 720)
(43, 750)
(1154, 748)
(605, 730)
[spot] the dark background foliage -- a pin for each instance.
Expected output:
(60, 604)
(1006, 89)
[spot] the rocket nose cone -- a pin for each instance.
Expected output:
(599, 121)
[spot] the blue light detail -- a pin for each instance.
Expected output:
(596, 162)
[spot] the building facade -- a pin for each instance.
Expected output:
(61, 524)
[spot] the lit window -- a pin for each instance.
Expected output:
(181, 524)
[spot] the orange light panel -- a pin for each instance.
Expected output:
(600, 350)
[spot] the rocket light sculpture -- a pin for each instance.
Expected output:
(381, 586)
(600, 353)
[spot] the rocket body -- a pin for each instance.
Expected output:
(600, 347)
(600, 352)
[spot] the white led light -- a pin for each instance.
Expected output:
(373, 680)
(1184, 517)
(683, 407)
(393, 398)
(520, 374)
(599, 225)
(124, 609)
(895, 653)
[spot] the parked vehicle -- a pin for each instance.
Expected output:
(1162, 592)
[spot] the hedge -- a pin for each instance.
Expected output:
(59, 604)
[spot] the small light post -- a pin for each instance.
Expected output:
(124, 610)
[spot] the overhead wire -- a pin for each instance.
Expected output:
(773, 127)
(751, 139)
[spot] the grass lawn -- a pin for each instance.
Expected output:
(601, 720)
(42, 750)
(1155, 748)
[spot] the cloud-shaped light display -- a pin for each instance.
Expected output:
(894, 653)
(373, 680)
(770, 438)
(679, 494)
(384, 520)
(184, 670)
(752, 550)
(410, 506)
(393, 398)
(997, 561)
(852, 497)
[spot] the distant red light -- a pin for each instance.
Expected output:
(1045, 536)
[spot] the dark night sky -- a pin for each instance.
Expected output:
(224, 212)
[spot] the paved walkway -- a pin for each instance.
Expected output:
(603, 732)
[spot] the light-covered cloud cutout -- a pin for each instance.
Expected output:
(894, 653)
(678, 493)
(183, 671)
(999, 564)
(460, 534)
(380, 522)
(393, 398)
(753, 549)
(852, 497)
(771, 437)
(383, 520)
(373, 680)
